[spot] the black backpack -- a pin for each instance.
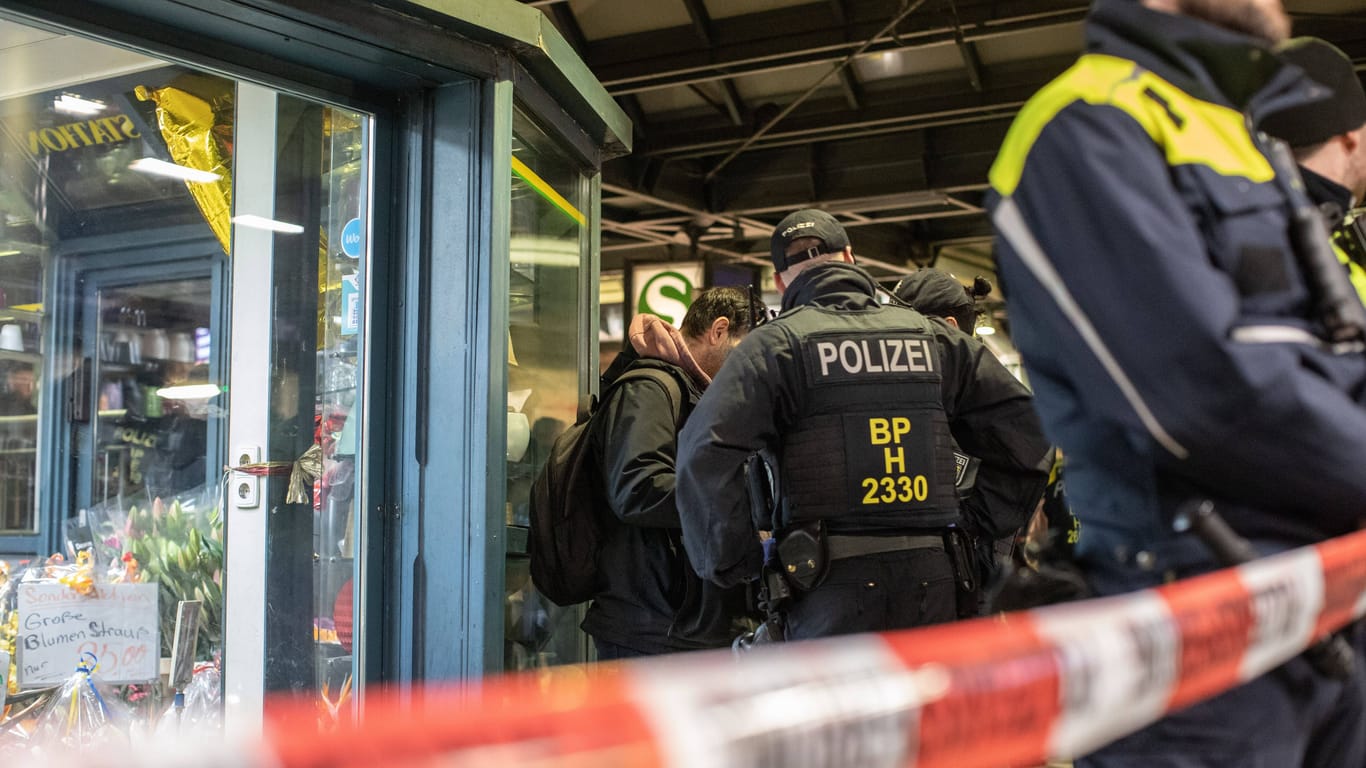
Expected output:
(566, 530)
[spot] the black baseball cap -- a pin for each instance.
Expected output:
(934, 292)
(1344, 109)
(807, 222)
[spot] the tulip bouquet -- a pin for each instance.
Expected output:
(176, 544)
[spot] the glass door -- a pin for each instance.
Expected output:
(155, 395)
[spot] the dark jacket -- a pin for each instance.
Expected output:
(1169, 335)
(757, 397)
(650, 601)
(1334, 201)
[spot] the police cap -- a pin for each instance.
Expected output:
(807, 222)
(1342, 111)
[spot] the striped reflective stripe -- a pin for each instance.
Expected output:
(1274, 334)
(1011, 225)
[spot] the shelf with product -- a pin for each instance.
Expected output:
(149, 343)
(21, 368)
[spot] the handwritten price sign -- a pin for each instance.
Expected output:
(119, 624)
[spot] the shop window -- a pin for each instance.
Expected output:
(118, 230)
(114, 205)
(546, 343)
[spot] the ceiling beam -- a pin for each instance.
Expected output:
(853, 90)
(908, 8)
(735, 106)
(948, 110)
(801, 36)
(701, 21)
(564, 19)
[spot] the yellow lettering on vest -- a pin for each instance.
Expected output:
(896, 457)
(901, 426)
(879, 431)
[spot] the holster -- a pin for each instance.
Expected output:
(958, 545)
(804, 555)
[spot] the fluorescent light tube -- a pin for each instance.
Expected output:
(261, 222)
(75, 105)
(189, 392)
(155, 167)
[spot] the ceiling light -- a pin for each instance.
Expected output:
(155, 167)
(75, 105)
(189, 392)
(985, 330)
(10, 253)
(261, 222)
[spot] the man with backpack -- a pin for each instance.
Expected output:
(649, 601)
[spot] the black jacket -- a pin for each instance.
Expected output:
(650, 600)
(753, 401)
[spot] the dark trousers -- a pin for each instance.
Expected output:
(1292, 717)
(890, 590)
(611, 651)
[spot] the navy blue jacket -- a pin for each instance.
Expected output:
(1171, 342)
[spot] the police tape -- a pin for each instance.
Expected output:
(1055, 682)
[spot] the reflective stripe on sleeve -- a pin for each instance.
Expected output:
(1011, 224)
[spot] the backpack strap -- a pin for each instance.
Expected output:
(673, 388)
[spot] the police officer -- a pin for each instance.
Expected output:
(1002, 510)
(856, 403)
(1328, 137)
(1181, 349)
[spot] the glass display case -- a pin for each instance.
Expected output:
(21, 338)
(546, 343)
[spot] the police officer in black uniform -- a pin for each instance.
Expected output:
(856, 404)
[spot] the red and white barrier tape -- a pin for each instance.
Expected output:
(1054, 682)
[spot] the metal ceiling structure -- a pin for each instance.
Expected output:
(887, 113)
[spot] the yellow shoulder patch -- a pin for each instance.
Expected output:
(1188, 130)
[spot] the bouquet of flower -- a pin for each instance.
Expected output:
(177, 544)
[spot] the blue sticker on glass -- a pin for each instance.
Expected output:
(351, 238)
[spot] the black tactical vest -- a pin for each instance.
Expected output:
(871, 448)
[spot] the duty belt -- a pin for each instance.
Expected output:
(841, 547)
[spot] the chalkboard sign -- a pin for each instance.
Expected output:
(119, 624)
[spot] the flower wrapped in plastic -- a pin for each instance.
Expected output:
(82, 716)
(197, 709)
(176, 543)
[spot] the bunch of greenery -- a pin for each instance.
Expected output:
(182, 551)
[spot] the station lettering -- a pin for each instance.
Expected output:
(876, 356)
(101, 130)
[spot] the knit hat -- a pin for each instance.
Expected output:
(934, 292)
(1342, 111)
